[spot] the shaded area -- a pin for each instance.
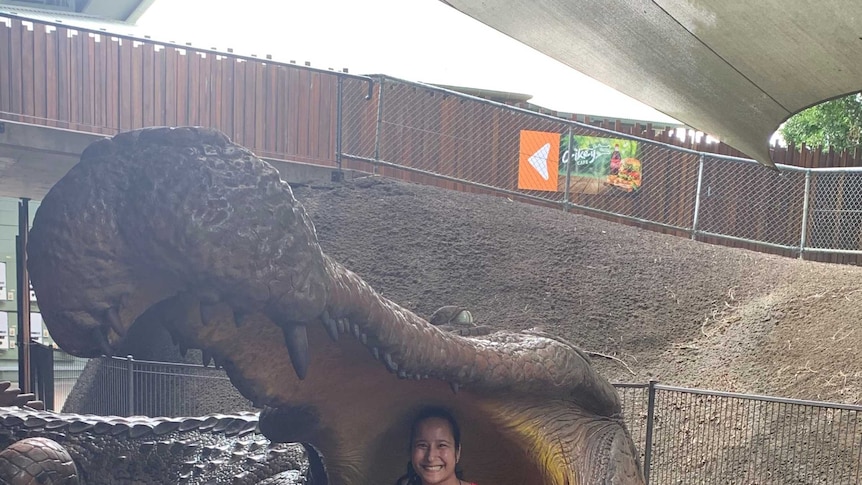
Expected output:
(733, 70)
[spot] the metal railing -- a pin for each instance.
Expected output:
(701, 436)
(130, 387)
(686, 436)
(432, 135)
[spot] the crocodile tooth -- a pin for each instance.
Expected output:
(390, 364)
(375, 353)
(206, 357)
(355, 330)
(112, 316)
(296, 339)
(330, 325)
(343, 325)
(402, 374)
(455, 387)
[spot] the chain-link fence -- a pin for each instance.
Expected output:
(435, 136)
(685, 436)
(128, 387)
(716, 437)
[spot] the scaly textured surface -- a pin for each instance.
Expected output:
(109, 450)
(180, 227)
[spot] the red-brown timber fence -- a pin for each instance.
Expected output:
(55, 75)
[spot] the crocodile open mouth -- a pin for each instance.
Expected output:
(182, 228)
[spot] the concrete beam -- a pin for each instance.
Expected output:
(33, 158)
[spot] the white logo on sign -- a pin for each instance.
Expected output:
(539, 160)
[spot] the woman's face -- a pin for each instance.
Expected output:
(434, 453)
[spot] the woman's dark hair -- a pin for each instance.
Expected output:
(431, 412)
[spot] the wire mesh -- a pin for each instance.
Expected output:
(127, 387)
(741, 199)
(359, 121)
(666, 190)
(835, 217)
(165, 389)
(67, 369)
(634, 399)
(703, 438)
(699, 437)
(429, 135)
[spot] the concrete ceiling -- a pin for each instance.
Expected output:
(731, 68)
(33, 158)
(127, 11)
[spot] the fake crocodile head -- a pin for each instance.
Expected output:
(182, 228)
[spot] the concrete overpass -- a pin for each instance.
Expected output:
(33, 158)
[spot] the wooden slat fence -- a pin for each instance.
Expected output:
(59, 76)
(55, 75)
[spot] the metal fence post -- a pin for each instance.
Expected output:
(804, 231)
(697, 197)
(130, 374)
(339, 119)
(379, 127)
(568, 168)
(649, 431)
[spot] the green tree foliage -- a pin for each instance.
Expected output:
(835, 124)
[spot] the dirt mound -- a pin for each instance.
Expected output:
(678, 311)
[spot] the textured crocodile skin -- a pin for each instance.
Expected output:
(112, 450)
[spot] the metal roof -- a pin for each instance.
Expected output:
(124, 11)
(734, 69)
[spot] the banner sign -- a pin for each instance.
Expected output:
(599, 164)
(596, 165)
(539, 161)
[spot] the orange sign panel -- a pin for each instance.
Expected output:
(539, 161)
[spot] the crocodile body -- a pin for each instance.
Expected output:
(183, 229)
(112, 450)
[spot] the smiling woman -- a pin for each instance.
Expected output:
(435, 450)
